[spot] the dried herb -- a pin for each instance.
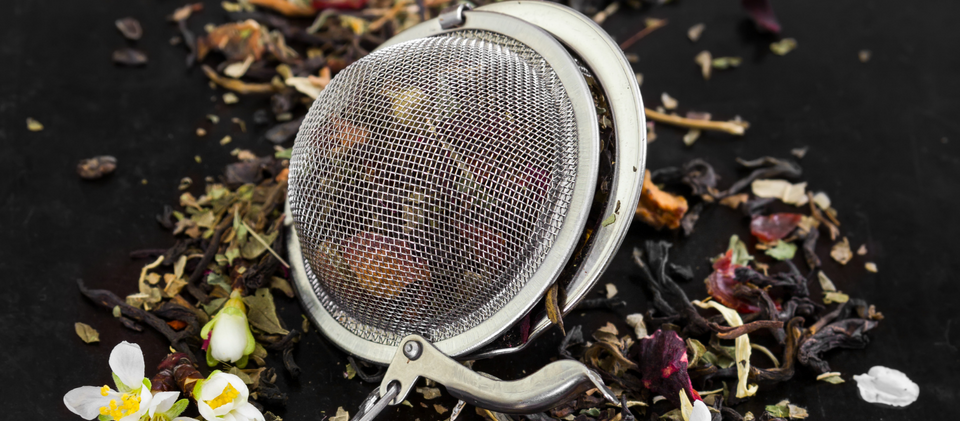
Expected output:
(553, 307)
(96, 167)
(774, 227)
(130, 28)
(658, 208)
(784, 46)
(86, 333)
(34, 125)
(695, 32)
(662, 359)
(841, 251)
(129, 57)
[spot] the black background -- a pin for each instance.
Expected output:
(883, 136)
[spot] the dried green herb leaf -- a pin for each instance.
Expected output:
(262, 313)
(740, 255)
(282, 285)
(86, 333)
(782, 251)
(284, 154)
(239, 373)
(213, 306)
(553, 308)
(593, 412)
(350, 372)
(779, 410)
(34, 125)
(723, 63)
(609, 220)
(696, 349)
(825, 283)
(742, 347)
(783, 46)
(831, 377)
(797, 412)
(342, 415)
(440, 408)
(835, 297)
(116, 311)
(253, 249)
(218, 280)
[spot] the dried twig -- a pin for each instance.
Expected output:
(732, 127)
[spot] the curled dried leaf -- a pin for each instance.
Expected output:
(96, 167)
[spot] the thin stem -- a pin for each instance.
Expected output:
(254, 234)
(653, 26)
(732, 127)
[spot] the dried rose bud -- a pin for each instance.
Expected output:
(383, 265)
(96, 167)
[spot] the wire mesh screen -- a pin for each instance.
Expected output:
(429, 181)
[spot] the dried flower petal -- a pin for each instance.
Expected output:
(96, 167)
(841, 251)
(691, 137)
(34, 125)
(130, 28)
(784, 46)
(705, 61)
(87, 333)
(695, 31)
(871, 267)
(771, 228)
(662, 358)
(668, 101)
(129, 57)
(791, 194)
(658, 208)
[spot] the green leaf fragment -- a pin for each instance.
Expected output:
(284, 154)
(779, 411)
(593, 412)
(262, 313)
(782, 251)
(609, 220)
(116, 311)
(835, 297)
(740, 255)
(351, 372)
(87, 333)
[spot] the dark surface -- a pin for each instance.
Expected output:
(883, 137)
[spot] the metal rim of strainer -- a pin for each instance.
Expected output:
(563, 247)
(612, 71)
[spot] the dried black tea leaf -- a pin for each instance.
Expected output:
(96, 167)
(130, 28)
(129, 57)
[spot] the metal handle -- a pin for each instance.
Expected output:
(538, 392)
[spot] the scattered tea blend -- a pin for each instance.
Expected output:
(758, 320)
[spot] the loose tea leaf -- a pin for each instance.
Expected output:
(782, 251)
(695, 31)
(668, 101)
(96, 167)
(791, 194)
(86, 332)
(262, 313)
(832, 377)
(825, 283)
(130, 28)
(705, 61)
(784, 46)
(129, 57)
(871, 267)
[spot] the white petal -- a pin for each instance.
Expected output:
(86, 401)
(126, 361)
(205, 411)
(213, 387)
(162, 402)
(185, 419)
(229, 338)
(700, 411)
(228, 417)
(250, 411)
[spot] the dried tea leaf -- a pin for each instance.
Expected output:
(440, 408)
(835, 297)
(262, 313)
(609, 220)
(668, 101)
(553, 308)
(870, 266)
(742, 348)
(34, 125)
(237, 69)
(282, 285)
(230, 98)
(784, 46)
(350, 373)
(862, 251)
(130, 28)
(117, 312)
(611, 291)
(797, 412)
(429, 392)
(841, 251)
(779, 410)
(705, 61)
(822, 200)
(695, 31)
(253, 249)
(791, 194)
(697, 350)
(96, 167)
(800, 152)
(691, 137)
(734, 201)
(87, 333)
(825, 283)
(129, 57)
(782, 251)
(831, 377)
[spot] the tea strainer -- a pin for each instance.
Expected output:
(441, 184)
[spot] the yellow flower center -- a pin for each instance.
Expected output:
(129, 404)
(227, 396)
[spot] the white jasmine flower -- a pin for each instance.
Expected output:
(228, 334)
(223, 396)
(129, 402)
